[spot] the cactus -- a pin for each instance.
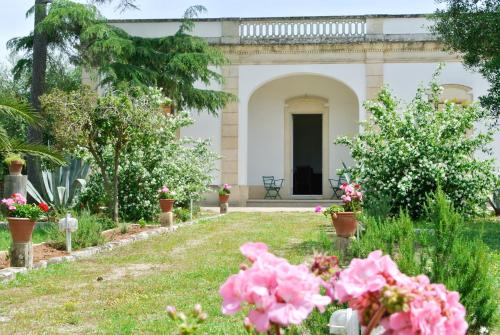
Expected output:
(61, 185)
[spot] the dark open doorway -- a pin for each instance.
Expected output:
(307, 154)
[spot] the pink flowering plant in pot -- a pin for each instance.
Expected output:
(344, 217)
(22, 216)
(224, 193)
(167, 198)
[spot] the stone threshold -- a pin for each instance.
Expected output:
(9, 274)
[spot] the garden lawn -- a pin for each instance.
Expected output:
(125, 291)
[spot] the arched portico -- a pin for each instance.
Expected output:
(292, 124)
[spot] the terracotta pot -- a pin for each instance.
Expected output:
(21, 229)
(223, 198)
(345, 223)
(166, 205)
(167, 109)
(15, 168)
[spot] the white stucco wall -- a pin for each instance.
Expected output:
(211, 29)
(266, 122)
(252, 77)
(417, 25)
(207, 126)
(404, 78)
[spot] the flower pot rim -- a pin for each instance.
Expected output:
(16, 218)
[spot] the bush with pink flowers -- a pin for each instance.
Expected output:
(278, 294)
(402, 305)
(225, 189)
(18, 207)
(352, 200)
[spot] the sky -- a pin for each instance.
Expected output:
(13, 22)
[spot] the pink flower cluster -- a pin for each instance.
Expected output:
(410, 305)
(163, 189)
(352, 192)
(226, 186)
(279, 293)
(15, 199)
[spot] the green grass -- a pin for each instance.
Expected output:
(139, 280)
(40, 234)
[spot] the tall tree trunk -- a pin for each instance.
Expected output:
(37, 85)
(116, 180)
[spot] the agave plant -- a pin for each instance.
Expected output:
(62, 185)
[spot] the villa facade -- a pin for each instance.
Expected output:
(300, 83)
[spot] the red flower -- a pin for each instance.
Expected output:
(44, 207)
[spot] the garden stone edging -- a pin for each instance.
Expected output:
(10, 273)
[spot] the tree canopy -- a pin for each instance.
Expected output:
(472, 28)
(174, 63)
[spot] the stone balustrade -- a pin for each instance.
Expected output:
(291, 30)
(308, 29)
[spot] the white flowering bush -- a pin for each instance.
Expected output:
(160, 158)
(404, 153)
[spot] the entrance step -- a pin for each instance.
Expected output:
(291, 203)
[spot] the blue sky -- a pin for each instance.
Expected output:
(14, 23)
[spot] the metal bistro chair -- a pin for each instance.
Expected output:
(272, 186)
(335, 185)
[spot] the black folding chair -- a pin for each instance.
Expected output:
(335, 185)
(272, 186)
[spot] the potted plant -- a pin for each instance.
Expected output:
(224, 193)
(15, 163)
(167, 199)
(344, 217)
(22, 217)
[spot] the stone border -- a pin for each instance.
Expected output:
(8, 274)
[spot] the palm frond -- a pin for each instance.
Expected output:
(38, 150)
(19, 109)
(5, 145)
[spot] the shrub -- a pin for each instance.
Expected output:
(142, 223)
(182, 214)
(154, 160)
(406, 153)
(88, 233)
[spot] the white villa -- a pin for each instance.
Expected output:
(300, 83)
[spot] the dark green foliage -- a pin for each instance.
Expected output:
(460, 262)
(395, 236)
(471, 27)
(182, 214)
(87, 235)
(174, 63)
(377, 205)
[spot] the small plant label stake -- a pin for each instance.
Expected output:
(68, 225)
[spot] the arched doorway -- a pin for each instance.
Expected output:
(318, 106)
(306, 146)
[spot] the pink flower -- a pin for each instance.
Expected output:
(277, 291)
(19, 198)
(346, 198)
(253, 250)
(226, 186)
(15, 199)
(423, 308)
(318, 209)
